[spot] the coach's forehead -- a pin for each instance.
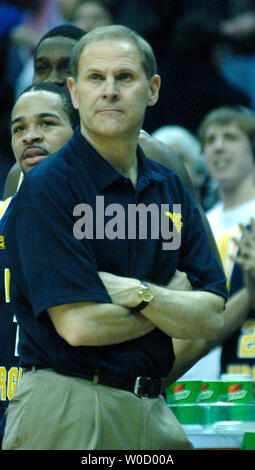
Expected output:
(124, 52)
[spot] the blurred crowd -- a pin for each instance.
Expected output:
(206, 58)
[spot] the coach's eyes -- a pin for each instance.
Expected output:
(94, 77)
(122, 76)
(125, 76)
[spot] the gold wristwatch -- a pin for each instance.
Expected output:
(146, 296)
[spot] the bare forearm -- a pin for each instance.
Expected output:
(188, 352)
(195, 314)
(98, 324)
(178, 313)
(237, 309)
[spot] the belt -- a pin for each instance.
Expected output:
(142, 386)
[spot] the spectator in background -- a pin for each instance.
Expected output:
(227, 136)
(66, 9)
(246, 259)
(50, 64)
(237, 248)
(50, 15)
(11, 16)
(82, 13)
(39, 16)
(237, 56)
(188, 148)
(52, 54)
(233, 21)
(90, 14)
(153, 19)
(22, 22)
(191, 83)
(236, 341)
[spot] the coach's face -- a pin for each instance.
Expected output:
(112, 90)
(39, 127)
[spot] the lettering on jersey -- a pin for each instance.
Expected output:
(241, 369)
(8, 382)
(7, 277)
(17, 336)
(246, 344)
(2, 245)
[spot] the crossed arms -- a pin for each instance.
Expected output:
(178, 313)
(194, 319)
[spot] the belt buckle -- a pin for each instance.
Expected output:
(149, 382)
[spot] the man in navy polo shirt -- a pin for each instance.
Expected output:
(92, 290)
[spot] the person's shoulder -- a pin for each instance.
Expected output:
(166, 174)
(160, 168)
(171, 184)
(161, 153)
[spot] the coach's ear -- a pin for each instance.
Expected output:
(73, 92)
(154, 87)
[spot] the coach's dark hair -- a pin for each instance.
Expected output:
(64, 94)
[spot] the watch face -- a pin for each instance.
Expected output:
(145, 293)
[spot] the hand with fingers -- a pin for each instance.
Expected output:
(246, 245)
(246, 256)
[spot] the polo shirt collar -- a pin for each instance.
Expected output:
(96, 165)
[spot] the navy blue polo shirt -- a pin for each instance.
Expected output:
(50, 266)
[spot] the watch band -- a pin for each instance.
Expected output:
(139, 307)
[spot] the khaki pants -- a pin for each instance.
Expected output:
(51, 411)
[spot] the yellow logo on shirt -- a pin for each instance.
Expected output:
(176, 219)
(2, 245)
